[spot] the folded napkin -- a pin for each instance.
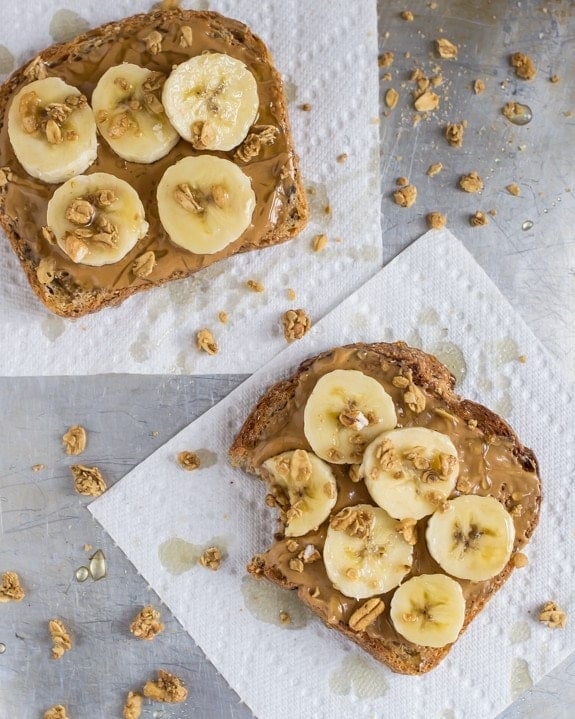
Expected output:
(436, 297)
(328, 58)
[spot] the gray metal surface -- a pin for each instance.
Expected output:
(44, 525)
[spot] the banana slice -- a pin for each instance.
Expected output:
(344, 412)
(428, 610)
(365, 552)
(410, 472)
(129, 113)
(205, 203)
(307, 485)
(96, 219)
(211, 100)
(473, 538)
(52, 130)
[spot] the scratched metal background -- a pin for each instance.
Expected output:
(43, 527)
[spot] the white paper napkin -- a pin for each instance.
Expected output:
(434, 296)
(327, 53)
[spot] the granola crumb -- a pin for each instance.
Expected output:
(296, 324)
(223, 317)
(478, 219)
(478, 87)
(61, 640)
(167, 688)
(87, 547)
(212, 558)
(385, 59)
(88, 480)
(454, 133)
(74, 440)
(255, 286)
(306, 107)
(434, 169)
(554, 79)
(11, 590)
(402, 181)
(523, 65)
(493, 212)
(552, 615)
(519, 560)
(471, 182)
(342, 157)
(146, 624)
(189, 460)
(56, 712)
(285, 617)
(426, 102)
(38, 467)
(391, 98)
(406, 15)
(522, 359)
(446, 49)
(291, 295)
(405, 196)
(206, 343)
(512, 110)
(513, 189)
(256, 566)
(133, 706)
(472, 423)
(435, 220)
(319, 242)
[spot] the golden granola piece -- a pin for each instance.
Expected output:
(11, 590)
(434, 169)
(385, 59)
(366, 614)
(143, 266)
(88, 480)
(46, 270)
(255, 286)
(205, 341)
(56, 712)
(223, 317)
(61, 640)
(519, 560)
(478, 87)
(426, 102)
(446, 49)
(189, 460)
(147, 624)
(256, 566)
(212, 558)
(454, 133)
(471, 182)
(523, 65)
(391, 98)
(414, 398)
(296, 324)
(133, 706)
(166, 688)
(353, 521)
(513, 189)
(406, 528)
(319, 242)
(552, 615)
(478, 219)
(186, 36)
(435, 220)
(154, 42)
(74, 440)
(405, 196)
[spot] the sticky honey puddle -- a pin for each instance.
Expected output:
(269, 603)
(357, 676)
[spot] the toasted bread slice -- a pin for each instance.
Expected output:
(71, 289)
(492, 461)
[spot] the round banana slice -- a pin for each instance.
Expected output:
(52, 130)
(473, 538)
(428, 610)
(205, 203)
(365, 552)
(304, 487)
(411, 471)
(129, 114)
(211, 100)
(96, 219)
(344, 412)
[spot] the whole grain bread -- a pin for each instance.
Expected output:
(280, 410)
(72, 290)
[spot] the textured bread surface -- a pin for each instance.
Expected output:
(281, 208)
(277, 408)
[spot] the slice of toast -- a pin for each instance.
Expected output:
(70, 289)
(492, 461)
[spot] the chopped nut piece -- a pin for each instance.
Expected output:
(147, 624)
(513, 189)
(296, 324)
(74, 440)
(255, 286)
(406, 196)
(143, 266)
(519, 560)
(523, 65)
(56, 712)
(46, 270)
(300, 469)
(478, 87)
(11, 590)
(88, 480)
(212, 558)
(53, 132)
(353, 521)
(385, 59)
(154, 42)
(446, 49)
(391, 98)
(223, 317)
(406, 15)
(434, 169)
(36, 70)
(435, 220)
(186, 36)
(61, 641)
(366, 614)
(414, 398)
(133, 706)
(189, 198)
(471, 182)
(166, 688)
(188, 460)
(406, 527)
(454, 133)
(552, 616)
(354, 472)
(205, 341)
(478, 219)
(319, 242)
(296, 564)
(284, 617)
(426, 102)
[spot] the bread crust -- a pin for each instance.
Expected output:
(57, 295)
(436, 380)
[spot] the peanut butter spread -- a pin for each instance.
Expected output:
(489, 465)
(271, 170)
